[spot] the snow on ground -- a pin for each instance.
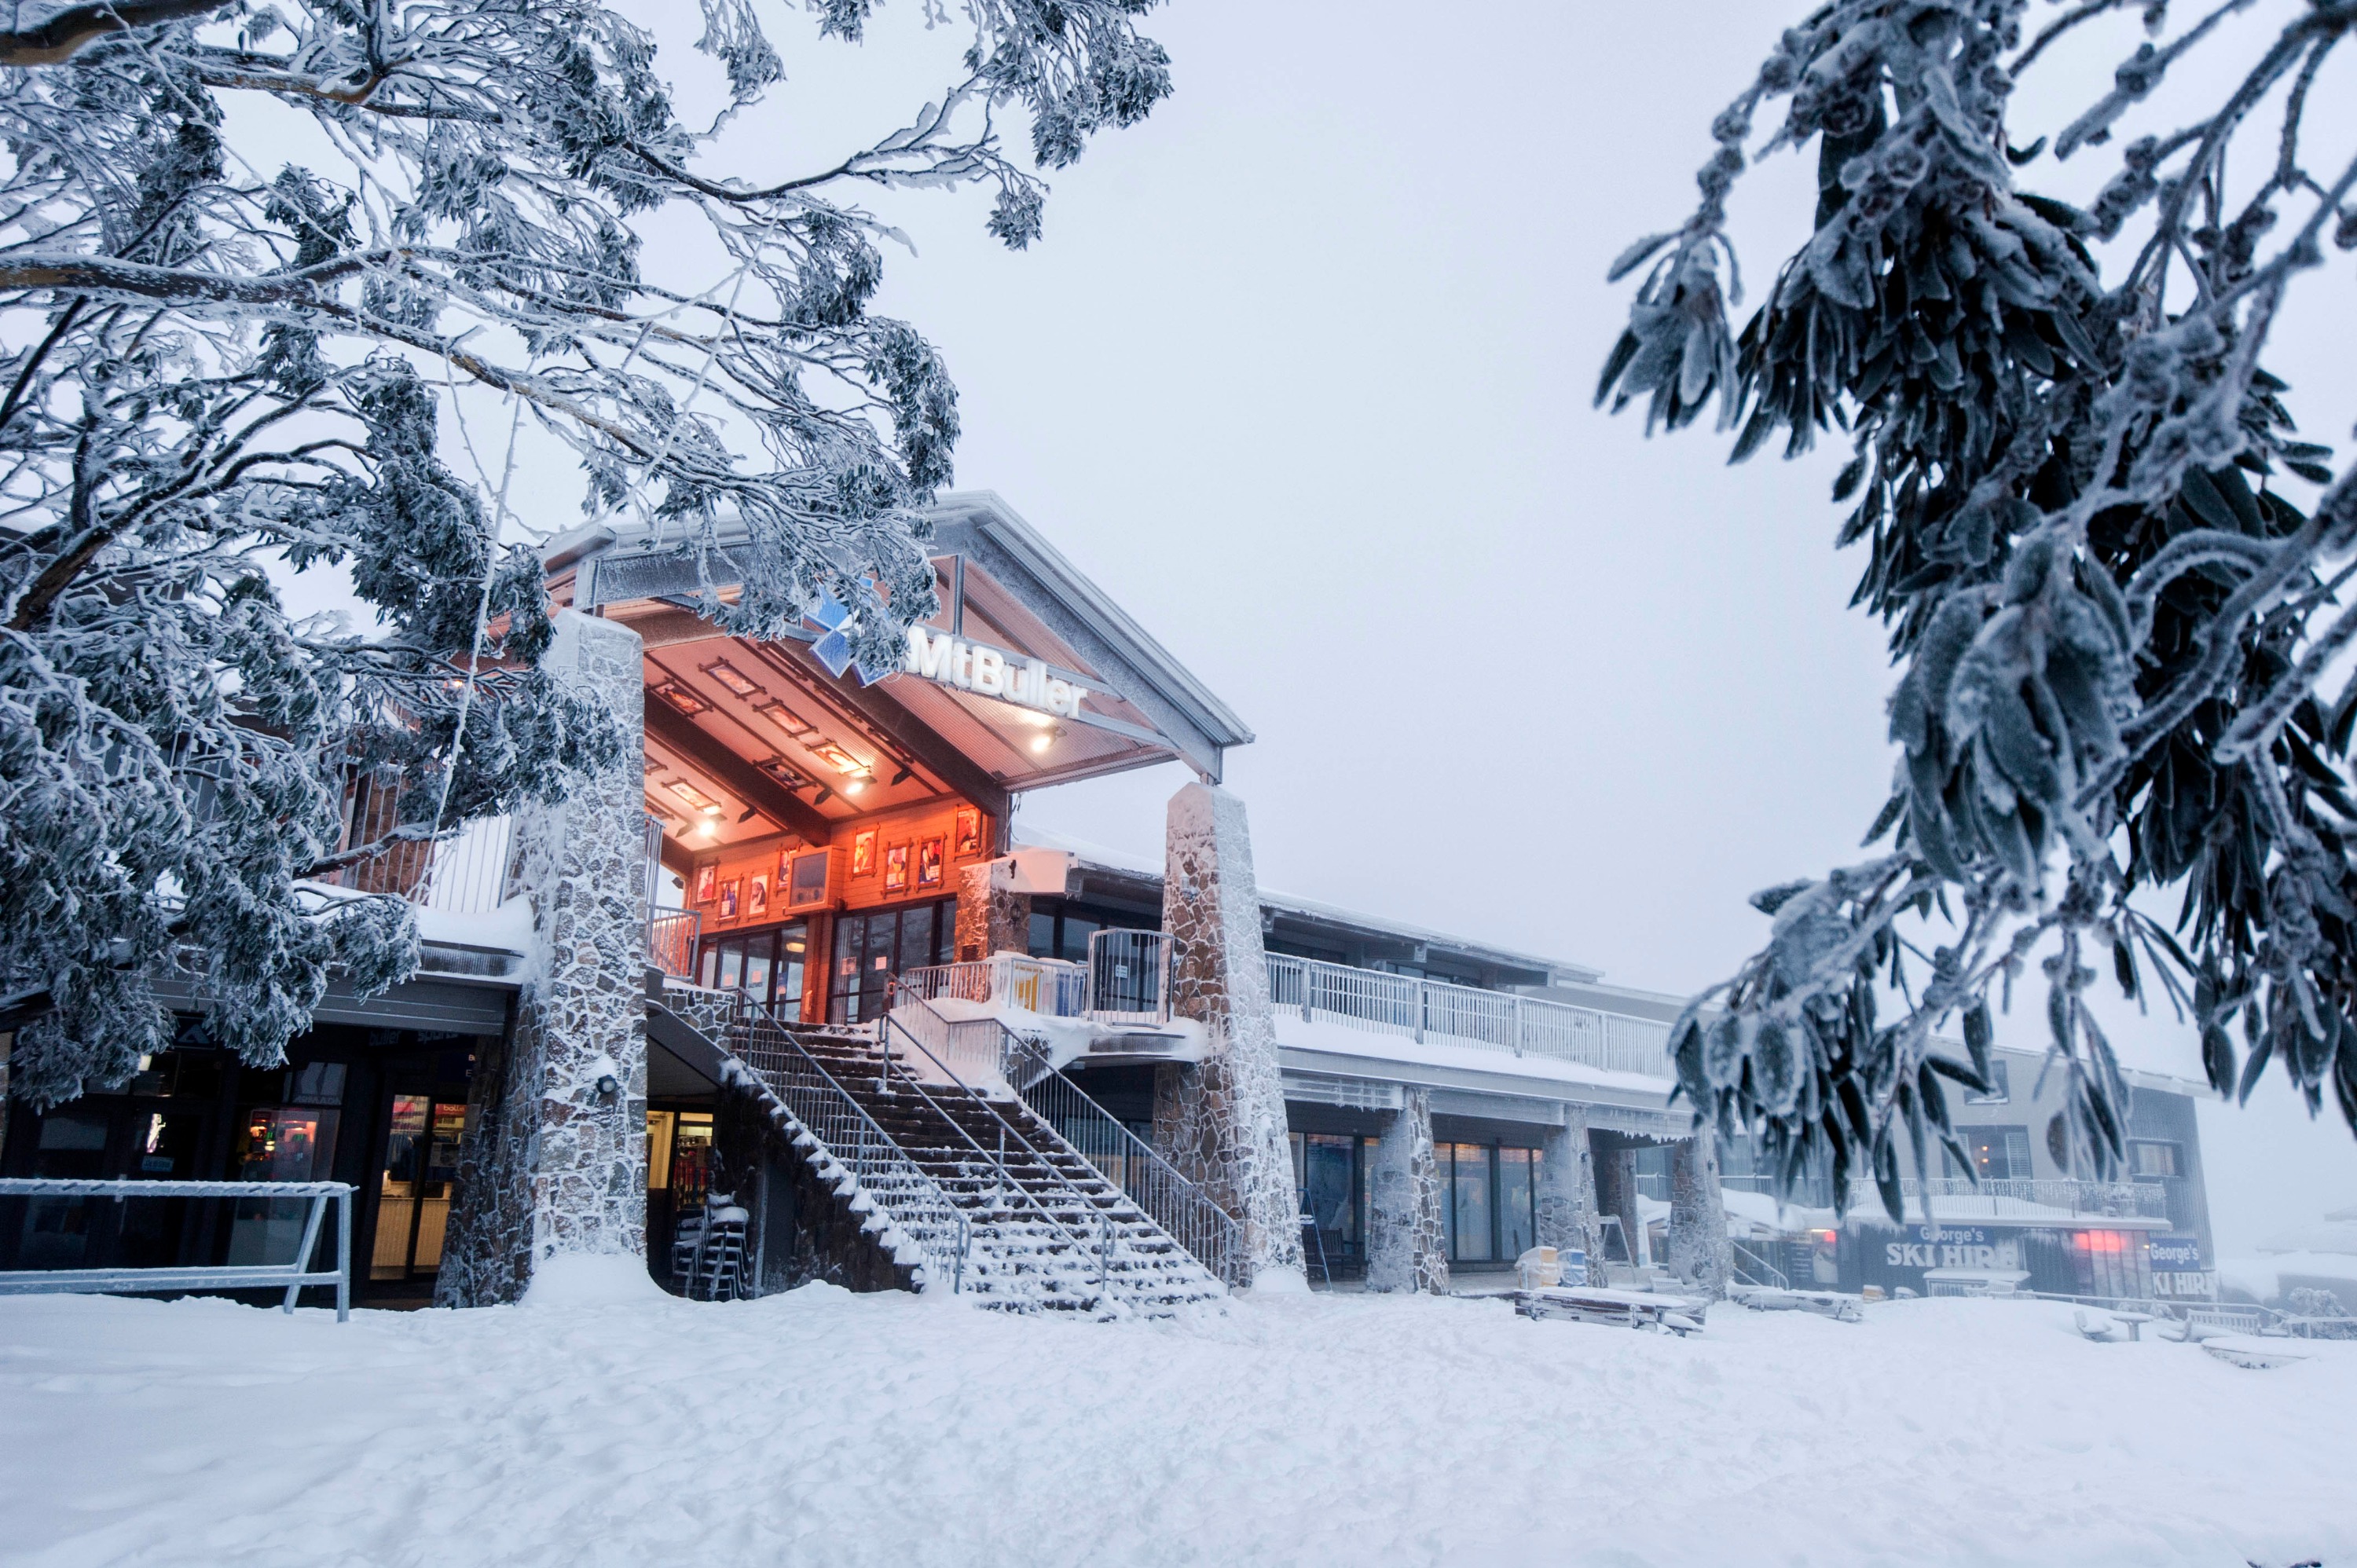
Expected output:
(817, 1427)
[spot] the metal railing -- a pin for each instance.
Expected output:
(844, 1133)
(973, 1050)
(1047, 987)
(292, 1274)
(671, 940)
(2081, 1199)
(1129, 976)
(465, 873)
(1422, 1009)
(1179, 1205)
(1752, 1267)
(1099, 1240)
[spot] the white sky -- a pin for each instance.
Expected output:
(1301, 374)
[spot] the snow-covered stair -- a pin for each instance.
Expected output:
(977, 1194)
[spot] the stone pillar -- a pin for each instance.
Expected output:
(991, 916)
(554, 1157)
(1226, 1119)
(1567, 1196)
(1699, 1252)
(1616, 1190)
(1408, 1249)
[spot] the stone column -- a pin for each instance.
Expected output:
(554, 1158)
(1616, 1190)
(1567, 1196)
(1226, 1119)
(1699, 1252)
(1408, 1249)
(991, 916)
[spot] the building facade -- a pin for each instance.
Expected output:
(791, 972)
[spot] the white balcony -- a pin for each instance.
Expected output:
(1120, 999)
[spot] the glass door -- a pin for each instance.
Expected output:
(421, 1168)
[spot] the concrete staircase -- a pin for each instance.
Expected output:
(957, 1177)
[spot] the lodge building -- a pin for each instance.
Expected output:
(793, 975)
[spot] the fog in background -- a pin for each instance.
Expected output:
(1301, 374)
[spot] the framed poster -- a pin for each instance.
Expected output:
(728, 891)
(706, 875)
(968, 838)
(863, 852)
(929, 861)
(757, 901)
(896, 869)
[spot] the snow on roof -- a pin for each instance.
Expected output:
(1103, 857)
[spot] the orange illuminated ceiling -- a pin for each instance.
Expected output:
(745, 740)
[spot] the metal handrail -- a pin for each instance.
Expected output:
(672, 936)
(1466, 1015)
(294, 1275)
(1173, 1200)
(845, 1133)
(1081, 1242)
(1752, 1268)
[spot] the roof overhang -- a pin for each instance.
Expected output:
(1027, 677)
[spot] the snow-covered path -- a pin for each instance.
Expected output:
(824, 1428)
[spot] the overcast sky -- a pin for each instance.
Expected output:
(1301, 374)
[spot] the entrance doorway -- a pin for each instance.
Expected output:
(421, 1166)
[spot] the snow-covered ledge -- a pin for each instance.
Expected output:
(554, 1160)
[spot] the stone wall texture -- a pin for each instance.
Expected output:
(1224, 1124)
(991, 916)
(1407, 1247)
(551, 1162)
(1615, 1190)
(1699, 1252)
(1567, 1197)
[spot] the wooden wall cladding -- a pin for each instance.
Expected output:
(911, 828)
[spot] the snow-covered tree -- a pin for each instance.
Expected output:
(252, 258)
(2080, 495)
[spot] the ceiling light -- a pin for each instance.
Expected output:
(728, 675)
(708, 828)
(854, 785)
(1042, 741)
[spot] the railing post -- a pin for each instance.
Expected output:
(1419, 1011)
(344, 1255)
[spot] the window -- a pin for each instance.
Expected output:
(1999, 1154)
(767, 963)
(2149, 1159)
(1060, 927)
(2000, 1087)
(873, 946)
(1489, 1200)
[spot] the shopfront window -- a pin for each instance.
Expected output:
(279, 1143)
(769, 964)
(1490, 1200)
(873, 946)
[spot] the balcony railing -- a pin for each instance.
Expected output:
(465, 874)
(671, 941)
(1044, 985)
(1432, 1010)
(1128, 981)
(2080, 1199)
